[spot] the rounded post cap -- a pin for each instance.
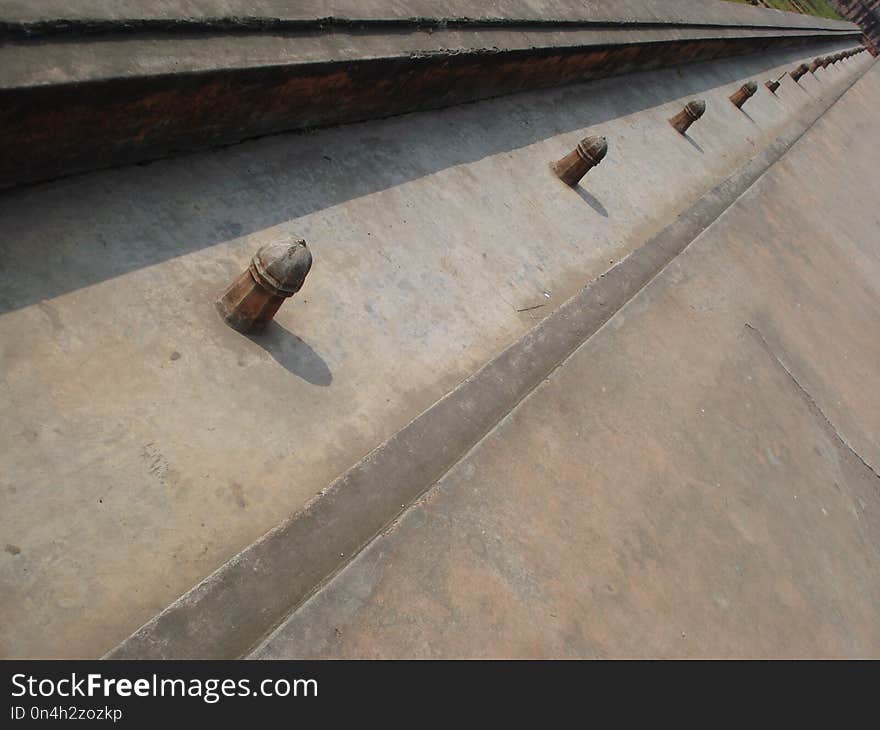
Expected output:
(593, 149)
(282, 266)
(696, 108)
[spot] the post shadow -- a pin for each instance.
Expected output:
(293, 354)
(693, 143)
(592, 201)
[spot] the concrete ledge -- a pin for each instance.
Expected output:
(154, 84)
(230, 611)
(25, 17)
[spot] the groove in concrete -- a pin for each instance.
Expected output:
(234, 608)
(811, 402)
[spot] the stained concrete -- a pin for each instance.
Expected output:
(699, 479)
(145, 443)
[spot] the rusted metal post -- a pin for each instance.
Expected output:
(277, 272)
(815, 65)
(589, 152)
(799, 72)
(772, 84)
(692, 111)
(743, 94)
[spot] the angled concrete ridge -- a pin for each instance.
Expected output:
(132, 15)
(233, 609)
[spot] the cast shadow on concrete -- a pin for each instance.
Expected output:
(104, 224)
(693, 143)
(592, 201)
(293, 354)
(748, 116)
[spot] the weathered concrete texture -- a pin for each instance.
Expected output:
(698, 479)
(139, 430)
(229, 612)
(707, 12)
(80, 92)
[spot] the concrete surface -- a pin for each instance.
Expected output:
(698, 479)
(706, 12)
(234, 608)
(144, 443)
(87, 60)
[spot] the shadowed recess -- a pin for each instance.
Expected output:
(143, 215)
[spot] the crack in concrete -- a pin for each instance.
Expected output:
(811, 401)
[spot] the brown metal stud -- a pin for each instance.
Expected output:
(799, 72)
(277, 272)
(589, 152)
(692, 111)
(772, 84)
(741, 95)
(815, 65)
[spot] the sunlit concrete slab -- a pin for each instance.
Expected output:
(145, 443)
(699, 479)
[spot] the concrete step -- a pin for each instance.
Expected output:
(91, 85)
